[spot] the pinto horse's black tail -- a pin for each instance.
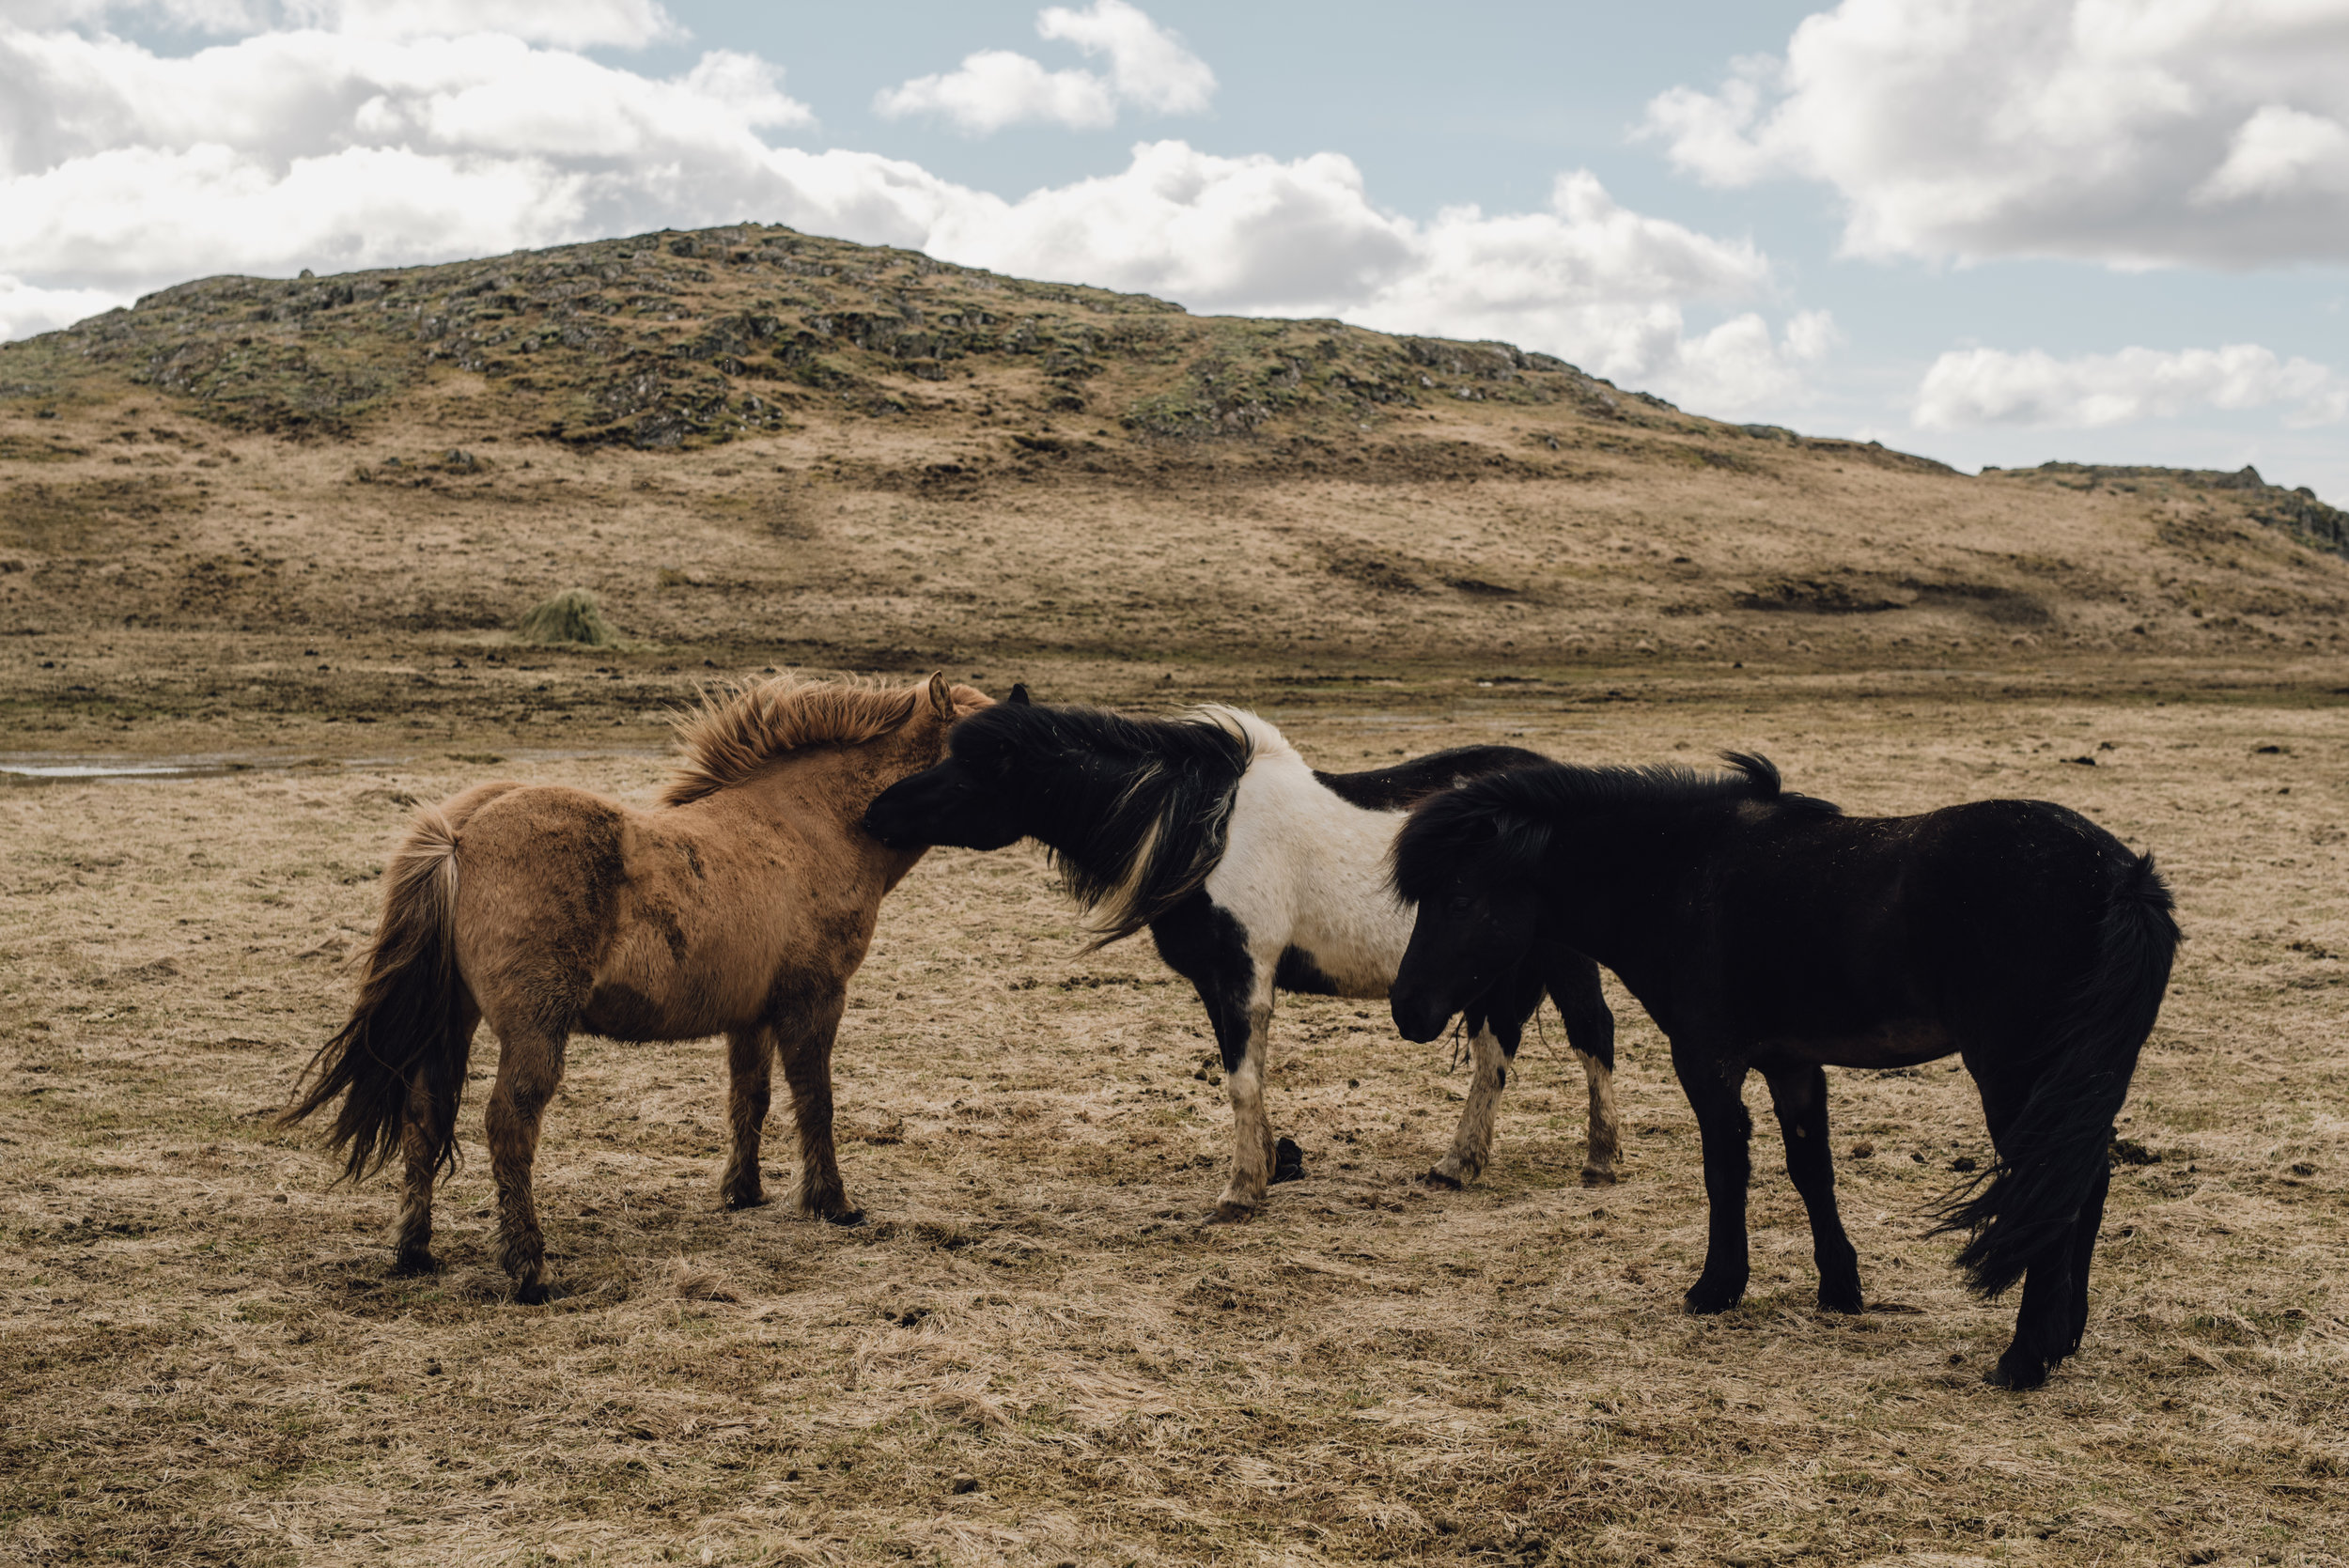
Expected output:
(2031, 1197)
(405, 1031)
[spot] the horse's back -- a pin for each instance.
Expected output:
(1304, 869)
(1985, 911)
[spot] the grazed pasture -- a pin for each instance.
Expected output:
(1032, 1353)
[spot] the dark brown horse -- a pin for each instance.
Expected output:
(739, 905)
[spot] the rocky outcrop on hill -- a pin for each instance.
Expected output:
(2295, 511)
(680, 340)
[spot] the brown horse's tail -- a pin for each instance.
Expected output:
(406, 1028)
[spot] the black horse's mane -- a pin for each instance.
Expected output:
(1506, 818)
(1138, 806)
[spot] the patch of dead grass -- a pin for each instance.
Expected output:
(205, 1360)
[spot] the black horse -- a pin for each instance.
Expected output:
(1253, 873)
(1764, 930)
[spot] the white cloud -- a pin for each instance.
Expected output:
(996, 87)
(1149, 68)
(2134, 132)
(573, 24)
(25, 310)
(123, 170)
(1148, 65)
(1989, 386)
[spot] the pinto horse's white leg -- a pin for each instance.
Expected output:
(1604, 1138)
(1252, 1130)
(1472, 1141)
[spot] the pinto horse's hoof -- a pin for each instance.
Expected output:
(1288, 1162)
(1435, 1177)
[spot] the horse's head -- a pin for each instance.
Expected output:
(970, 798)
(1473, 881)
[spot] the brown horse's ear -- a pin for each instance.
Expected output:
(941, 697)
(1019, 697)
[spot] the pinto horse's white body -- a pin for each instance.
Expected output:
(1303, 875)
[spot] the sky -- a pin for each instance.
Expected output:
(1993, 232)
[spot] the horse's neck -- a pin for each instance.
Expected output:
(821, 793)
(1606, 875)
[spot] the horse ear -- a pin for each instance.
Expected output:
(1019, 697)
(941, 697)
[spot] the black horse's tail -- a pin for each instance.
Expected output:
(405, 1028)
(2031, 1197)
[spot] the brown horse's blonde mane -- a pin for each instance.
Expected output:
(736, 729)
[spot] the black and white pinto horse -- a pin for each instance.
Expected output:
(1763, 930)
(1255, 874)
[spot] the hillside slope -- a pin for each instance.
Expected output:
(755, 442)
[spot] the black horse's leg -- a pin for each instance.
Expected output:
(1573, 985)
(2043, 1323)
(1798, 1094)
(2083, 1252)
(1713, 1082)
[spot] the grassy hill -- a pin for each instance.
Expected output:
(757, 446)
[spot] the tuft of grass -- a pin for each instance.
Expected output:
(570, 616)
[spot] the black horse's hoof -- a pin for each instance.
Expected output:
(2016, 1370)
(1704, 1299)
(1288, 1162)
(1842, 1299)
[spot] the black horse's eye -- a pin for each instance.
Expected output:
(1458, 903)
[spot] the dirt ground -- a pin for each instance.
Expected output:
(204, 1360)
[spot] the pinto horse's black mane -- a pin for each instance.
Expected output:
(1139, 829)
(1505, 819)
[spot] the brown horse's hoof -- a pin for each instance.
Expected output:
(1230, 1214)
(1435, 1177)
(745, 1200)
(1599, 1178)
(407, 1264)
(845, 1218)
(532, 1296)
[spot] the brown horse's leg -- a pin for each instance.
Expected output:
(530, 1064)
(806, 1047)
(750, 1065)
(431, 1113)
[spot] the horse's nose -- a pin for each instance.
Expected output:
(1415, 1016)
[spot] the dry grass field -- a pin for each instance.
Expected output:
(1033, 1352)
(289, 525)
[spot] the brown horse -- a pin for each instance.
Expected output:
(739, 905)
